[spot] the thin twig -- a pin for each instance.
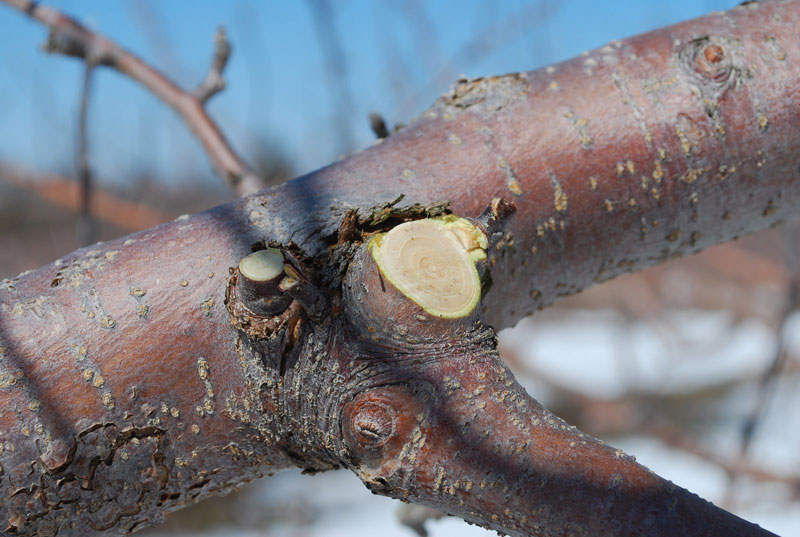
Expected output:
(159, 45)
(86, 231)
(415, 516)
(214, 81)
(673, 437)
(643, 415)
(483, 43)
(335, 71)
(768, 381)
(69, 37)
(378, 125)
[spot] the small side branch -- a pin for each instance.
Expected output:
(214, 81)
(768, 382)
(415, 516)
(378, 125)
(86, 231)
(69, 37)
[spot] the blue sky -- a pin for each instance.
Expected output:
(398, 56)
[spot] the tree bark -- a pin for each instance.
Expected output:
(134, 380)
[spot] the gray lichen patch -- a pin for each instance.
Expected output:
(511, 179)
(7, 285)
(206, 306)
(142, 311)
(482, 96)
(38, 307)
(560, 198)
(581, 126)
(92, 307)
(137, 292)
(621, 84)
(775, 48)
(75, 272)
(207, 407)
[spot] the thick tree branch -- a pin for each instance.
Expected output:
(143, 357)
(69, 37)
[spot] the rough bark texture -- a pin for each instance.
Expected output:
(133, 380)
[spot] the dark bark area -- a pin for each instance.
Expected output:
(132, 381)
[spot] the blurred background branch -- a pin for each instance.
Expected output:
(67, 36)
(86, 232)
(335, 66)
(63, 192)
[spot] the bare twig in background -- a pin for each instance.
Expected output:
(63, 192)
(86, 232)
(335, 71)
(636, 412)
(397, 75)
(482, 44)
(378, 125)
(426, 40)
(214, 81)
(157, 38)
(768, 382)
(673, 437)
(415, 516)
(69, 37)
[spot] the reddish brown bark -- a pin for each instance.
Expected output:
(638, 152)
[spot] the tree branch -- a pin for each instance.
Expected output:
(335, 63)
(644, 413)
(142, 357)
(86, 231)
(768, 382)
(69, 37)
(378, 125)
(214, 82)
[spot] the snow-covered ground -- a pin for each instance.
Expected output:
(600, 354)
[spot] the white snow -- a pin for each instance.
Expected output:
(599, 353)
